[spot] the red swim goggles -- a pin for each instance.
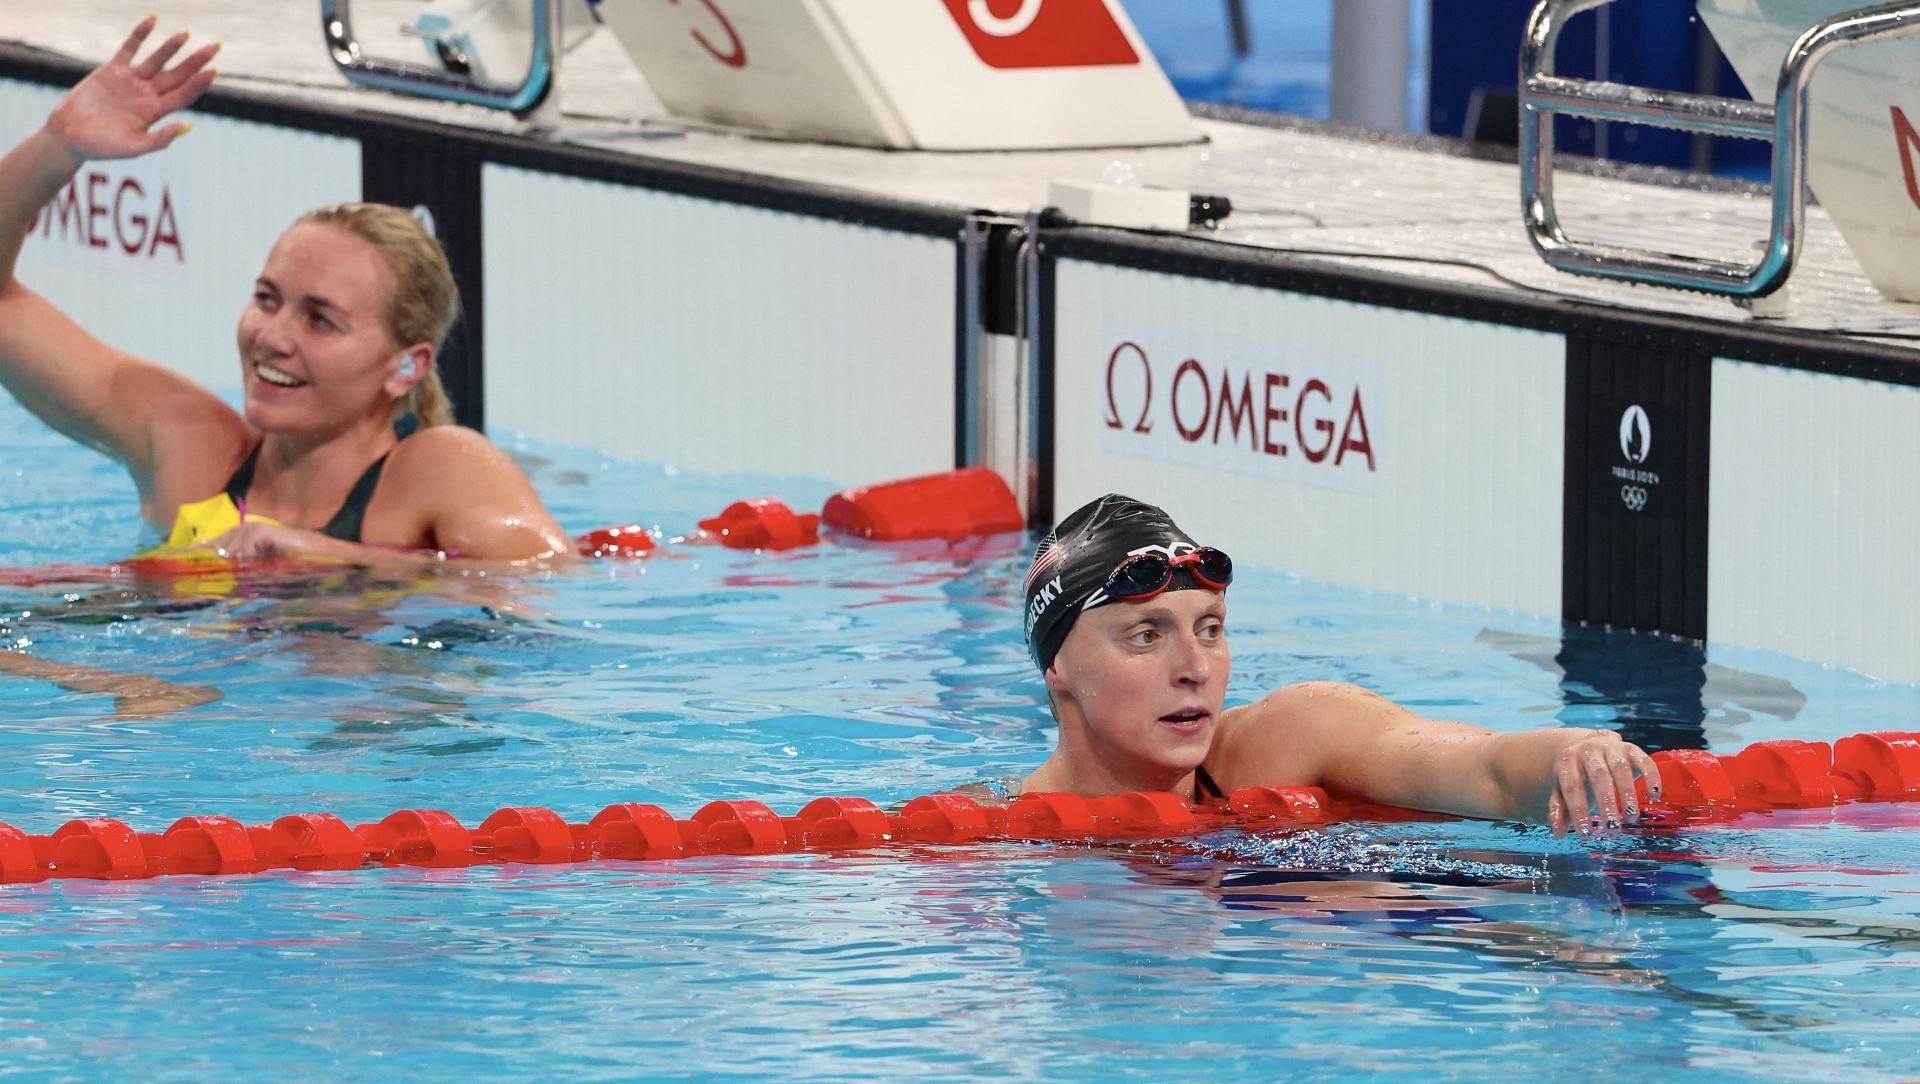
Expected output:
(1144, 575)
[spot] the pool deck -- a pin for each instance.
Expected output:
(1300, 189)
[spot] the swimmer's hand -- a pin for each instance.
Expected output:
(255, 538)
(1593, 778)
(109, 113)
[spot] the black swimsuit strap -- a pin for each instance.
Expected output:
(242, 479)
(1205, 789)
(345, 524)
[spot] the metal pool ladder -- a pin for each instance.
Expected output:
(1784, 123)
(336, 21)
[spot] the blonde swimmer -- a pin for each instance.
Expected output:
(337, 342)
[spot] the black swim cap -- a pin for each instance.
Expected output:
(1073, 562)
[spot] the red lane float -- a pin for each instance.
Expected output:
(956, 504)
(626, 540)
(1696, 786)
(762, 524)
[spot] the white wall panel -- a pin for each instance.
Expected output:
(1466, 422)
(1815, 505)
(229, 189)
(716, 337)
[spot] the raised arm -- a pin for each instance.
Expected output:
(1358, 743)
(82, 387)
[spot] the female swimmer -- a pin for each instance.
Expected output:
(1126, 618)
(337, 343)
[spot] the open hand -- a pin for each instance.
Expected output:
(1593, 788)
(110, 112)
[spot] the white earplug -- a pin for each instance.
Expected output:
(406, 367)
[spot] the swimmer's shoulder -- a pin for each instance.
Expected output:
(449, 487)
(1280, 740)
(449, 460)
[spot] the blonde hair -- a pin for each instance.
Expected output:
(425, 302)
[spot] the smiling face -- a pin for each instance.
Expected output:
(316, 351)
(1139, 687)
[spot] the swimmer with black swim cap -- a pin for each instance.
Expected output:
(1126, 618)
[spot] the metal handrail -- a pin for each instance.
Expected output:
(1784, 122)
(336, 23)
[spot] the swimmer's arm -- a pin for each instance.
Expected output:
(105, 398)
(80, 386)
(1359, 743)
(136, 696)
(480, 506)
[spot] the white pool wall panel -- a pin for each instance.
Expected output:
(229, 188)
(1815, 519)
(1466, 421)
(716, 337)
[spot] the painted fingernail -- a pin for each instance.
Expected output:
(1633, 810)
(1613, 824)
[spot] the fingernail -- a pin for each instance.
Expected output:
(184, 131)
(1633, 810)
(1613, 824)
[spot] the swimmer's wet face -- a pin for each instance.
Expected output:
(1144, 683)
(1126, 618)
(317, 353)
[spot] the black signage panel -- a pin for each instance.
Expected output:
(440, 184)
(1636, 486)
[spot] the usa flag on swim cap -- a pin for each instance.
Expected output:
(1043, 559)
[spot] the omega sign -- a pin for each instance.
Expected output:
(105, 215)
(1295, 417)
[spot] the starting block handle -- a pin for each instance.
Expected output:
(336, 23)
(1784, 123)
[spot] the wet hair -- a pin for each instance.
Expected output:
(1070, 568)
(425, 301)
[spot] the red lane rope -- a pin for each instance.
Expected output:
(1696, 787)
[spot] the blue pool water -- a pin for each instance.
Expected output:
(1779, 946)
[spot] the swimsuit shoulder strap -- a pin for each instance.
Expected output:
(345, 524)
(1205, 789)
(242, 479)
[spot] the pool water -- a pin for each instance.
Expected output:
(1780, 945)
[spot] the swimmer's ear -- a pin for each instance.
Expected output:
(409, 368)
(1055, 683)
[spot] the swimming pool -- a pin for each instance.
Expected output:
(1778, 945)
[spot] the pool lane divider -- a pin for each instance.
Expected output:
(951, 505)
(1697, 787)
